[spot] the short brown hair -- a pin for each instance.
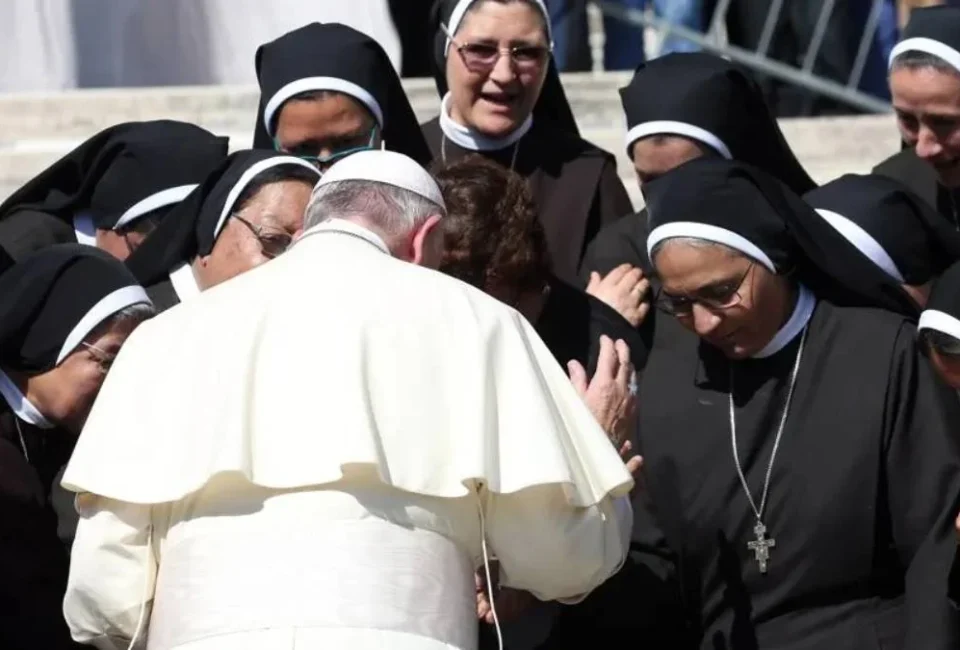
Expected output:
(493, 238)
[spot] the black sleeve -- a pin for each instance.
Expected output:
(922, 464)
(640, 606)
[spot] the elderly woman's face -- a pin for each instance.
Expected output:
(491, 91)
(67, 392)
(727, 299)
(263, 229)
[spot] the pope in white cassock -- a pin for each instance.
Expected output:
(321, 452)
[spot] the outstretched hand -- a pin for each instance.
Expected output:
(611, 394)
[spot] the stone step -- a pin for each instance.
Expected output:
(36, 129)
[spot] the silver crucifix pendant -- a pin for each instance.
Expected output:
(761, 546)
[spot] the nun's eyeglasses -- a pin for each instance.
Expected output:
(716, 297)
(482, 57)
(272, 244)
(346, 148)
(103, 358)
(939, 342)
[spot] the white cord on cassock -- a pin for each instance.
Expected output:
(486, 569)
(146, 589)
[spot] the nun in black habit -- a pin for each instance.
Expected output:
(66, 311)
(684, 106)
(801, 461)
(112, 190)
(924, 70)
(326, 91)
(509, 105)
(893, 227)
(244, 214)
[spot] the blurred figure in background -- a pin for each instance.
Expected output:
(624, 42)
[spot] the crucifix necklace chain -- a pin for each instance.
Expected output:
(761, 544)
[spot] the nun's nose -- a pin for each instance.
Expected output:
(704, 320)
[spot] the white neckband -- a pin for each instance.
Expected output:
(22, 407)
(794, 325)
(474, 140)
(84, 230)
(184, 283)
(349, 228)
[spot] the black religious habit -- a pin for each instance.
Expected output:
(893, 227)
(839, 417)
(119, 176)
(335, 57)
(575, 183)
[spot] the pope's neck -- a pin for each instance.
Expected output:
(454, 128)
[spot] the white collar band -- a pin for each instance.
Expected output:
(708, 232)
(472, 139)
(312, 84)
(184, 283)
(668, 127)
(22, 407)
(806, 302)
(84, 230)
(864, 242)
(929, 46)
(104, 309)
(153, 202)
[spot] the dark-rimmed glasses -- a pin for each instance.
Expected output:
(717, 297)
(272, 244)
(300, 151)
(940, 342)
(482, 57)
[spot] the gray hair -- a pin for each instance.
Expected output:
(391, 211)
(915, 60)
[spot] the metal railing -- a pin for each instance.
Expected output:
(759, 60)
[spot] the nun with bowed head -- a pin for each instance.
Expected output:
(684, 106)
(502, 98)
(678, 108)
(925, 86)
(800, 456)
(66, 312)
(113, 190)
(245, 213)
(892, 227)
(327, 91)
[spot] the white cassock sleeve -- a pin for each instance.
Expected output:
(112, 573)
(552, 549)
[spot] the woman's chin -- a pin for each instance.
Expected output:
(495, 125)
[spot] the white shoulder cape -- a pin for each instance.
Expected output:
(338, 360)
